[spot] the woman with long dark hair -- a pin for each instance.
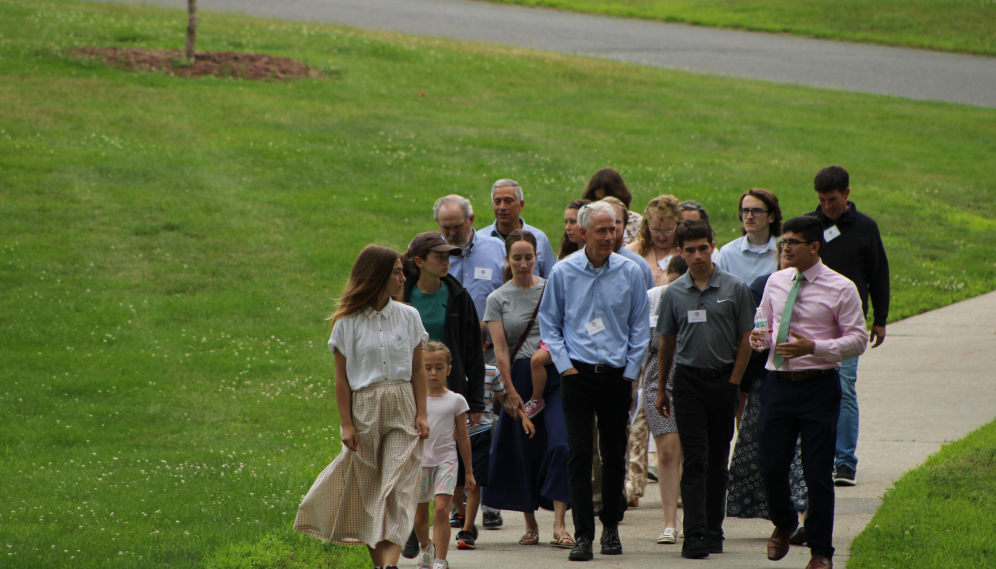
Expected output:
(369, 492)
(607, 182)
(526, 473)
(571, 241)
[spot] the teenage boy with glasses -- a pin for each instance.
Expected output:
(754, 254)
(814, 323)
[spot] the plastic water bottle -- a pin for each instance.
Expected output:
(761, 323)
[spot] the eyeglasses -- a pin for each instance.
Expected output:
(792, 243)
(752, 211)
(656, 232)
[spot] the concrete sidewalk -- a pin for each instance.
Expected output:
(929, 383)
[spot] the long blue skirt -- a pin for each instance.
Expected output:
(527, 474)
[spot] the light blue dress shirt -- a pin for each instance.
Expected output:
(545, 259)
(480, 268)
(576, 294)
(648, 275)
(737, 259)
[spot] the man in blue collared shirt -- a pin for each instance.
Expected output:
(756, 253)
(596, 324)
(507, 200)
(479, 268)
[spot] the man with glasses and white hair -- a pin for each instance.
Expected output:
(479, 266)
(507, 201)
(597, 326)
(755, 254)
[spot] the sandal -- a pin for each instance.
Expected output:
(529, 538)
(667, 536)
(563, 540)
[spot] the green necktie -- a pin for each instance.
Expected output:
(783, 326)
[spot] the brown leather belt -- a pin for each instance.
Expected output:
(799, 375)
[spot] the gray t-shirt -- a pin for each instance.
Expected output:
(514, 307)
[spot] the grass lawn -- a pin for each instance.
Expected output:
(943, 25)
(940, 515)
(169, 247)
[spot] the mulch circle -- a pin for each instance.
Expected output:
(206, 64)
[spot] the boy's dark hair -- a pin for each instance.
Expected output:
(770, 201)
(676, 265)
(810, 228)
(831, 178)
(692, 205)
(691, 230)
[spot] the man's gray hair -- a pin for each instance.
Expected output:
(464, 203)
(593, 209)
(507, 183)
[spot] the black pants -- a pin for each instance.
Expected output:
(584, 396)
(704, 411)
(789, 409)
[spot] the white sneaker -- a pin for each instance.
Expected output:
(425, 556)
(440, 564)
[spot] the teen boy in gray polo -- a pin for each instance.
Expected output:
(705, 321)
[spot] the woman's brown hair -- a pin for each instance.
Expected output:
(567, 246)
(612, 183)
(662, 207)
(514, 237)
(371, 271)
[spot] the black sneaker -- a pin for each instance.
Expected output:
(465, 540)
(492, 520)
(843, 475)
(694, 548)
(456, 520)
(411, 547)
(714, 541)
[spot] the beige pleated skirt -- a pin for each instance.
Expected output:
(369, 496)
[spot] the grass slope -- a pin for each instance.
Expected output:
(940, 515)
(170, 247)
(944, 25)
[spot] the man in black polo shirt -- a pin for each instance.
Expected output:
(705, 321)
(853, 247)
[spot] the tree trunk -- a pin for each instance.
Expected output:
(191, 29)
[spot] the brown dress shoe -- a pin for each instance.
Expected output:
(818, 562)
(778, 545)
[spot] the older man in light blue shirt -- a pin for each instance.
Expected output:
(480, 266)
(507, 201)
(756, 253)
(594, 317)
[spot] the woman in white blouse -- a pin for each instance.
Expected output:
(369, 493)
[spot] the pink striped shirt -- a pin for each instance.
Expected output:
(827, 310)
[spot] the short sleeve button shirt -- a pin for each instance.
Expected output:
(378, 346)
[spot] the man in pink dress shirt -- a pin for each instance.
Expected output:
(801, 395)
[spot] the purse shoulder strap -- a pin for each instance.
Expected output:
(529, 327)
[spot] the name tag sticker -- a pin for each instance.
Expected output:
(696, 315)
(594, 327)
(653, 321)
(482, 273)
(831, 233)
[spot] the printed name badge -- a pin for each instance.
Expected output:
(831, 233)
(696, 315)
(482, 273)
(653, 321)
(594, 327)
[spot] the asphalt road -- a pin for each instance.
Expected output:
(909, 73)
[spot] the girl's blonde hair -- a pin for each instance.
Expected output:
(437, 346)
